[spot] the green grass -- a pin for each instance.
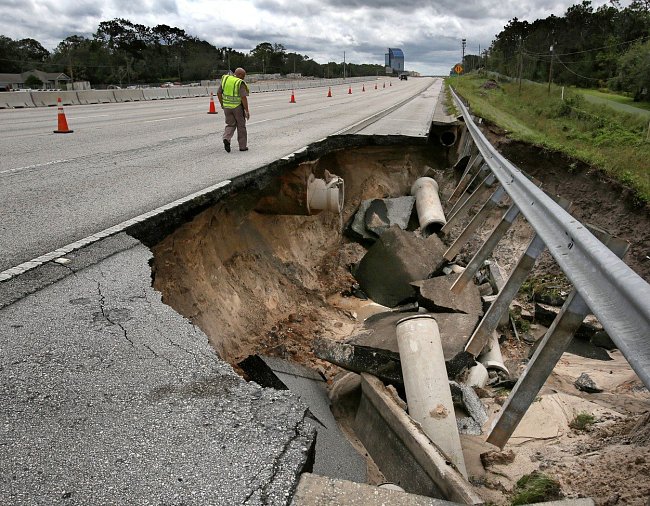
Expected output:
(615, 97)
(603, 137)
(582, 421)
(535, 487)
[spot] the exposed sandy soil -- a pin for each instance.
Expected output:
(597, 198)
(270, 284)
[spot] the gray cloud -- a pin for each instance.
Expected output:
(428, 32)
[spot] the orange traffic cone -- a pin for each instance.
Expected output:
(350, 90)
(363, 88)
(329, 92)
(293, 98)
(63, 124)
(212, 109)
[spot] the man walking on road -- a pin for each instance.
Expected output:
(233, 97)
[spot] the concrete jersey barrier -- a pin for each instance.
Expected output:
(15, 99)
(128, 95)
(155, 94)
(178, 92)
(96, 97)
(9, 100)
(49, 98)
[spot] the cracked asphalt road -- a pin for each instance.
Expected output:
(123, 401)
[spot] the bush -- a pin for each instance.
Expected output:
(33, 82)
(582, 421)
(536, 487)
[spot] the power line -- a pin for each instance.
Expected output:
(592, 49)
(579, 75)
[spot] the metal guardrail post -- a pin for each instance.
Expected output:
(467, 178)
(546, 356)
(486, 250)
(475, 182)
(476, 221)
(474, 198)
(490, 320)
(617, 296)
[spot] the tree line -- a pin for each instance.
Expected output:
(122, 52)
(604, 47)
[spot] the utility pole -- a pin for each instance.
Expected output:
(463, 43)
(550, 72)
(521, 62)
(343, 64)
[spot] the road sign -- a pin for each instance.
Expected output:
(458, 69)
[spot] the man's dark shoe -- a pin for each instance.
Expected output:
(243, 149)
(226, 145)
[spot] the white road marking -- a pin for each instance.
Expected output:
(86, 117)
(164, 119)
(35, 166)
(260, 121)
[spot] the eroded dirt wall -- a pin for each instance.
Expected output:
(255, 281)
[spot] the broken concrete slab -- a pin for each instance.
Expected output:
(399, 212)
(395, 260)
(314, 490)
(375, 216)
(405, 455)
(435, 295)
(357, 226)
(334, 455)
(455, 330)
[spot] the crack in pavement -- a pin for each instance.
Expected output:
(102, 300)
(276, 468)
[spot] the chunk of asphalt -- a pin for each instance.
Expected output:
(382, 213)
(334, 456)
(455, 330)
(383, 364)
(466, 398)
(434, 294)
(358, 225)
(375, 216)
(395, 260)
(586, 384)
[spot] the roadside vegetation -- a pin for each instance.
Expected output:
(535, 487)
(582, 421)
(613, 141)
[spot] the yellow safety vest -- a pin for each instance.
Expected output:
(231, 87)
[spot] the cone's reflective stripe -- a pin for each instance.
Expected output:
(231, 87)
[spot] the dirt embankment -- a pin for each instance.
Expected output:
(597, 198)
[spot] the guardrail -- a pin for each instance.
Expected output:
(603, 283)
(10, 100)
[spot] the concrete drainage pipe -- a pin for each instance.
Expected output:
(427, 202)
(325, 196)
(448, 138)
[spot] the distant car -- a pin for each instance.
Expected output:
(403, 77)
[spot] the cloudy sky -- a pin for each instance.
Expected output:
(429, 31)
